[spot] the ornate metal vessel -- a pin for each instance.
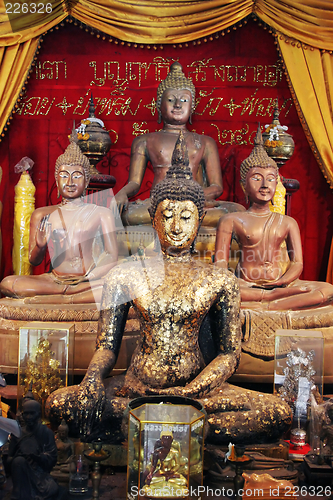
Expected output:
(93, 140)
(278, 143)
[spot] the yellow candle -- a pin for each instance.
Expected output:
(279, 200)
(24, 205)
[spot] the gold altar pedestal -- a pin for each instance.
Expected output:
(14, 314)
(259, 327)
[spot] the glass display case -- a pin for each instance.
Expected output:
(46, 358)
(298, 371)
(165, 450)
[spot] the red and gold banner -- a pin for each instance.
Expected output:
(238, 78)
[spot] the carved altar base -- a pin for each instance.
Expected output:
(15, 314)
(259, 327)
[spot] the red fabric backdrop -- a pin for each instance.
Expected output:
(237, 77)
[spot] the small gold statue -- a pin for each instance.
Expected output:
(266, 277)
(167, 466)
(172, 302)
(68, 230)
(175, 105)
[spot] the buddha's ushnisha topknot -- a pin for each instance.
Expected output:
(257, 158)
(178, 183)
(73, 156)
(175, 80)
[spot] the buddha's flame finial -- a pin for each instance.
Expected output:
(180, 153)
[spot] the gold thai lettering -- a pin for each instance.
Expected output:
(138, 129)
(64, 105)
(50, 70)
(82, 104)
(99, 81)
(242, 77)
(250, 104)
(217, 74)
(35, 106)
(31, 105)
(267, 75)
(232, 106)
(143, 71)
(125, 107)
(131, 71)
(45, 106)
(199, 69)
(209, 106)
(111, 71)
(119, 88)
(232, 136)
(286, 106)
(266, 106)
(231, 77)
(151, 106)
(117, 105)
(161, 65)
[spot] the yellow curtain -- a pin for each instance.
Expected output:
(177, 21)
(311, 76)
(156, 21)
(15, 62)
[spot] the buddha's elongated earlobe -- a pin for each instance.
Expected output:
(159, 120)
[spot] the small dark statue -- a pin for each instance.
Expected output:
(32, 456)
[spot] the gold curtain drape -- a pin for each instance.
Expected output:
(311, 76)
(309, 22)
(15, 62)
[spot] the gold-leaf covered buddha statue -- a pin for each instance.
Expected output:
(173, 303)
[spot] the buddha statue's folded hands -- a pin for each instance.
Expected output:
(211, 377)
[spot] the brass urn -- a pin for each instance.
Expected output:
(93, 140)
(278, 144)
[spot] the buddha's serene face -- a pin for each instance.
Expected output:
(177, 224)
(261, 184)
(176, 106)
(71, 181)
